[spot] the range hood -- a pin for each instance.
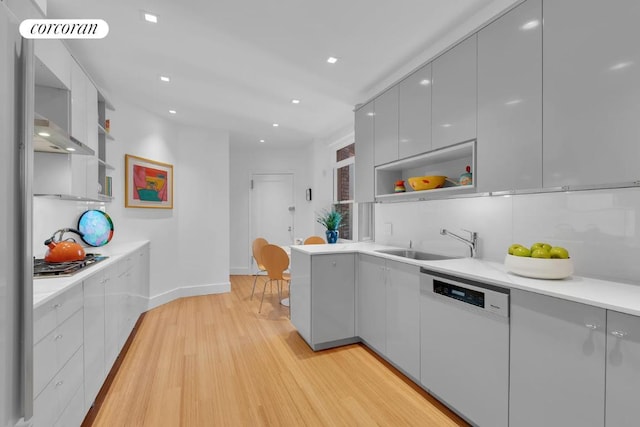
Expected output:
(49, 137)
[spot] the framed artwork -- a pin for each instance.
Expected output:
(148, 184)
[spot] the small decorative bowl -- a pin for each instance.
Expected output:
(419, 183)
(539, 268)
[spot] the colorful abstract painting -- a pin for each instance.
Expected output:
(149, 184)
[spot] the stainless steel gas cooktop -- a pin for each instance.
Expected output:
(42, 269)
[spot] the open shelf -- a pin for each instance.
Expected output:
(103, 131)
(449, 161)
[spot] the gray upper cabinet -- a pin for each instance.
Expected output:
(510, 101)
(455, 95)
(364, 118)
(591, 92)
(414, 113)
(386, 127)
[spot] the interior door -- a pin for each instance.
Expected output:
(272, 208)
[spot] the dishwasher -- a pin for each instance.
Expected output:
(464, 332)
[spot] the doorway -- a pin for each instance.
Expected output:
(272, 209)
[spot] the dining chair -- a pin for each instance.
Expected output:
(276, 261)
(314, 240)
(258, 244)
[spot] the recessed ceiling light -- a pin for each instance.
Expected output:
(172, 111)
(332, 60)
(43, 134)
(530, 25)
(165, 78)
(150, 17)
(620, 66)
(262, 140)
(71, 149)
(425, 82)
(275, 125)
(295, 101)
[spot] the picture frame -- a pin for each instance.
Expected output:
(148, 183)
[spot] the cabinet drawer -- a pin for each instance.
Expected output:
(74, 413)
(48, 316)
(58, 393)
(52, 352)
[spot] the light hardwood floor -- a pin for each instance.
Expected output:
(214, 361)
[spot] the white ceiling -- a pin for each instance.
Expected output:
(236, 64)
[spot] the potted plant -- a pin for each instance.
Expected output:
(331, 220)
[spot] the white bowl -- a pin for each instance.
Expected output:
(539, 268)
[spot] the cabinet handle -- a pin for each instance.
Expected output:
(334, 263)
(59, 383)
(57, 305)
(58, 337)
(591, 326)
(618, 334)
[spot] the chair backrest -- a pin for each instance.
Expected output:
(314, 240)
(275, 260)
(258, 244)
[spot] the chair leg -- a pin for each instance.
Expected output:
(254, 283)
(263, 291)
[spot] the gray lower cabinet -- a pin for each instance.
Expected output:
(94, 326)
(509, 143)
(623, 369)
(454, 95)
(591, 92)
(323, 298)
(364, 182)
(388, 318)
(386, 127)
(371, 302)
(557, 359)
(403, 317)
(414, 113)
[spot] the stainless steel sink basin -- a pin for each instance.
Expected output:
(421, 256)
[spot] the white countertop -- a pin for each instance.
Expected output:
(622, 297)
(45, 289)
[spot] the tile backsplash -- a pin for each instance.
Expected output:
(600, 228)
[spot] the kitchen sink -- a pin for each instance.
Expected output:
(421, 256)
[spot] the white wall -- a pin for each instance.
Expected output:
(246, 161)
(189, 243)
(600, 228)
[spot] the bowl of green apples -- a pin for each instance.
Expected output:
(539, 261)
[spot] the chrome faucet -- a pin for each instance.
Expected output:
(472, 242)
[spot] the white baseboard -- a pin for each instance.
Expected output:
(188, 291)
(241, 271)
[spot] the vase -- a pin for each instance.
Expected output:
(332, 236)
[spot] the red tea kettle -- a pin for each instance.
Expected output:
(63, 250)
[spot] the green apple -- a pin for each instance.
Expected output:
(540, 253)
(542, 245)
(559, 252)
(513, 247)
(521, 251)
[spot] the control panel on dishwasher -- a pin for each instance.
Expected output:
(490, 298)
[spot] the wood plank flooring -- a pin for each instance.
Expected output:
(214, 361)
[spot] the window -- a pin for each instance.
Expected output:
(343, 188)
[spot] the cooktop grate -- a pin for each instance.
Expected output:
(41, 268)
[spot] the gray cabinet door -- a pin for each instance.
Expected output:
(386, 127)
(414, 113)
(557, 374)
(371, 307)
(623, 369)
(454, 95)
(364, 182)
(510, 101)
(332, 297)
(403, 317)
(591, 87)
